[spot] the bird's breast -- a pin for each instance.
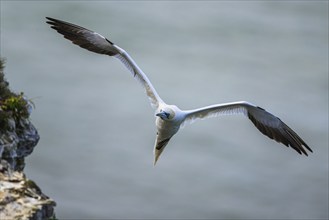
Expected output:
(166, 128)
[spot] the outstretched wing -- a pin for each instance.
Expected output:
(268, 124)
(95, 42)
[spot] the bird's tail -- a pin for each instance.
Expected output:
(159, 146)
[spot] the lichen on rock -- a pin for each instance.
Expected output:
(21, 198)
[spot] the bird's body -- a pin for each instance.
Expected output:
(169, 118)
(167, 126)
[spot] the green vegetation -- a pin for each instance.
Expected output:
(16, 106)
(11, 105)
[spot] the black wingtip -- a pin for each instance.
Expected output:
(51, 20)
(287, 136)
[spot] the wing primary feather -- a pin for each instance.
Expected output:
(268, 124)
(83, 37)
(279, 131)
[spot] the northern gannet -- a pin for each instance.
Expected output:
(169, 118)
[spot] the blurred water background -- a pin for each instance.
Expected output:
(97, 127)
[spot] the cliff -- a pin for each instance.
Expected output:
(20, 198)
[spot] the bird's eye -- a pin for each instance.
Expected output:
(167, 115)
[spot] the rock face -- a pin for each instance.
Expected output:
(18, 142)
(20, 198)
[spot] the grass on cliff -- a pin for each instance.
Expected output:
(12, 105)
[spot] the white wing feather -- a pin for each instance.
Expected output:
(124, 57)
(215, 111)
(265, 122)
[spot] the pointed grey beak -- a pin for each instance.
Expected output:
(163, 115)
(160, 114)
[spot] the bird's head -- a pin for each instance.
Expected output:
(166, 114)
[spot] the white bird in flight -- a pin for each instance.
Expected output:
(169, 118)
